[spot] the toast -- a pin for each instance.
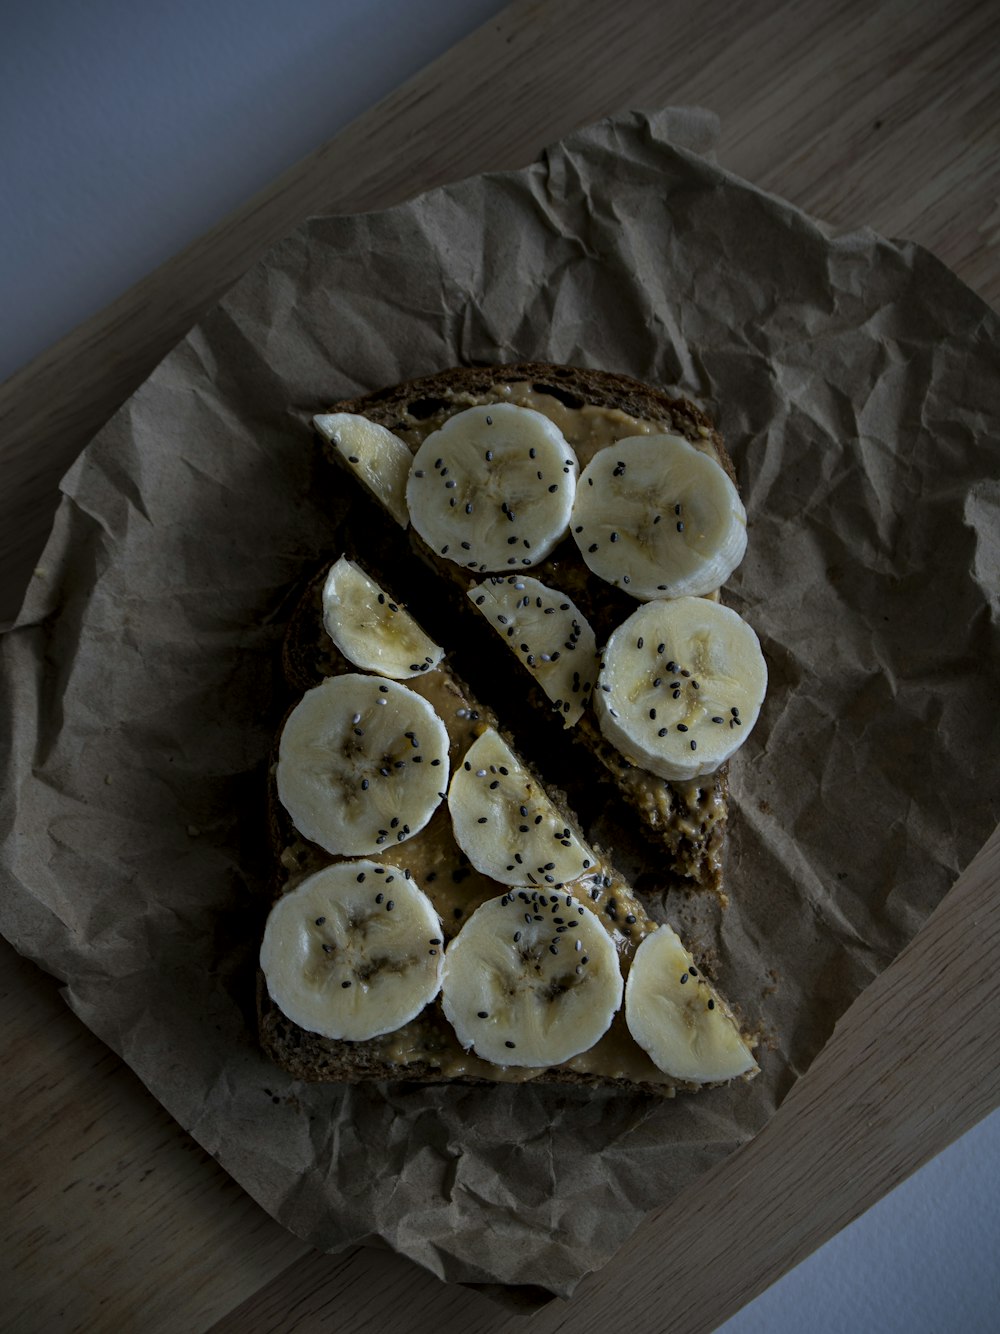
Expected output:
(426, 1048)
(591, 408)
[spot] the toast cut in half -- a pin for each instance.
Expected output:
(438, 913)
(592, 412)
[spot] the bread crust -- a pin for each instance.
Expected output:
(307, 657)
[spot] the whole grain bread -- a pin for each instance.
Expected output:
(687, 819)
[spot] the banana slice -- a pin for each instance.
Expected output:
(677, 1018)
(549, 634)
(506, 824)
(354, 951)
(370, 629)
(532, 979)
(658, 518)
(362, 764)
(493, 488)
(379, 459)
(681, 686)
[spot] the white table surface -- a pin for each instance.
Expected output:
(107, 171)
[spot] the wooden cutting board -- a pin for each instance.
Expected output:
(112, 1217)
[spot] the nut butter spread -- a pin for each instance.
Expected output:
(456, 888)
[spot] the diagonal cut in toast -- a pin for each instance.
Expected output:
(593, 410)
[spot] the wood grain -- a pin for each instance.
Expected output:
(113, 1218)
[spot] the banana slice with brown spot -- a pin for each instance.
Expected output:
(678, 1018)
(493, 488)
(371, 630)
(681, 686)
(362, 764)
(356, 950)
(532, 979)
(658, 518)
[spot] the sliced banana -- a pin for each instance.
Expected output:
(548, 633)
(659, 518)
(362, 764)
(507, 825)
(678, 1018)
(532, 979)
(493, 488)
(354, 951)
(681, 686)
(377, 458)
(372, 631)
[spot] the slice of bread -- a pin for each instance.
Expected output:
(687, 819)
(427, 1049)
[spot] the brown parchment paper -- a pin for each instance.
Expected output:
(855, 381)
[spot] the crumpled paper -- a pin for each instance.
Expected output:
(854, 380)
